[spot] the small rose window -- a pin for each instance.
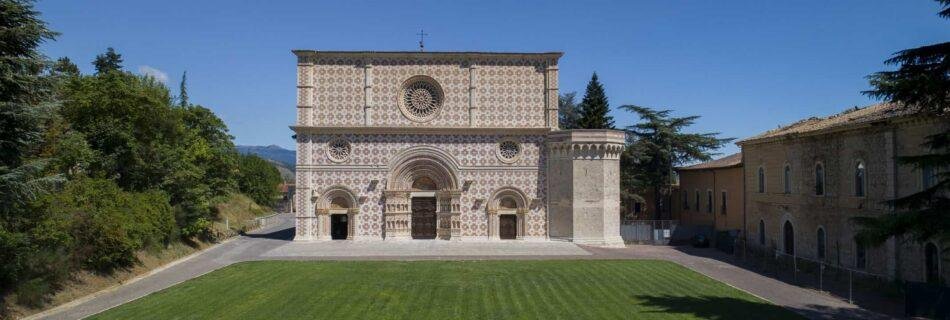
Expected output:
(338, 150)
(509, 151)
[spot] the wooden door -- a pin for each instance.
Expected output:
(423, 218)
(508, 226)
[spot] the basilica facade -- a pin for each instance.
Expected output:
(447, 145)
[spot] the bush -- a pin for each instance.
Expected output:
(107, 225)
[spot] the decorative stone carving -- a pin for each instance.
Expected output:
(509, 150)
(338, 150)
(421, 98)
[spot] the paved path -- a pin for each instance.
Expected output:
(273, 244)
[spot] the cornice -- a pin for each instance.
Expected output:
(426, 55)
(420, 130)
(896, 121)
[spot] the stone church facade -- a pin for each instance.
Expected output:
(452, 146)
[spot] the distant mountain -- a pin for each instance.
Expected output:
(288, 158)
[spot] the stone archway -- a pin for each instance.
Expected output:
(417, 175)
(336, 206)
(506, 213)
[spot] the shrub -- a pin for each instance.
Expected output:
(258, 179)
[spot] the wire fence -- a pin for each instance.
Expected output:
(648, 231)
(870, 290)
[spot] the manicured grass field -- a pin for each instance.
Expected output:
(564, 289)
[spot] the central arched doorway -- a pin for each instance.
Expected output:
(422, 195)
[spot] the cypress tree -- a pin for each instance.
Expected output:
(183, 93)
(594, 107)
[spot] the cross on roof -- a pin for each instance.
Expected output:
(422, 34)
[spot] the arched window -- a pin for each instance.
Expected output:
(761, 180)
(859, 179)
(789, 235)
(932, 263)
(787, 178)
(860, 256)
(709, 201)
(696, 203)
(819, 180)
(761, 232)
(820, 252)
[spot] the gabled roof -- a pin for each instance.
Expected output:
(849, 117)
(731, 161)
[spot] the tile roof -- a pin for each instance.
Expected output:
(852, 116)
(730, 161)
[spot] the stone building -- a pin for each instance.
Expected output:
(710, 194)
(446, 145)
(804, 182)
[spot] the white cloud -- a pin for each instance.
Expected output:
(154, 73)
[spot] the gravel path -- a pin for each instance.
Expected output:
(273, 244)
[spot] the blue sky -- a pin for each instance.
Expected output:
(744, 66)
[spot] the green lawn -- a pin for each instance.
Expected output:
(565, 289)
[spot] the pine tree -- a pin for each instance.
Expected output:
(183, 92)
(594, 107)
(108, 61)
(656, 146)
(921, 84)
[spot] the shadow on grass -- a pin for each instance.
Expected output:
(708, 307)
(282, 234)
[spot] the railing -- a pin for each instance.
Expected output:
(648, 231)
(871, 290)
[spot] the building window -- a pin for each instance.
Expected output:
(637, 208)
(860, 256)
(932, 263)
(859, 179)
(685, 199)
(696, 203)
(762, 232)
(819, 180)
(928, 177)
(787, 179)
(789, 237)
(723, 204)
(709, 201)
(761, 180)
(821, 243)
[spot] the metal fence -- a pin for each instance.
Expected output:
(265, 221)
(648, 231)
(869, 290)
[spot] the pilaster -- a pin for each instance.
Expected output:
(472, 95)
(551, 96)
(367, 94)
(304, 92)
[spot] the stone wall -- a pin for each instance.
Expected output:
(839, 152)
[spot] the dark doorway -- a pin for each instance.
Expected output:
(423, 218)
(339, 226)
(507, 226)
(931, 263)
(789, 239)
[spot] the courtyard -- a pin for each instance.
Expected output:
(498, 289)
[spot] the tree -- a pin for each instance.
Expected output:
(594, 107)
(108, 61)
(25, 106)
(258, 179)
(64, 66)
(182, 91)
(568, 111)
(656, 146)
(922, 85)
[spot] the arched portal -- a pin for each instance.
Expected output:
(336, 211)
(506, 212)
(422, 195)
(789, 238)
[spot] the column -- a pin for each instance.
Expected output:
(493, 225)
(367, 94)
(472, 95)
(323, 224)
(522, 212)
(550, 96)
(351, 223)
(304, 92)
